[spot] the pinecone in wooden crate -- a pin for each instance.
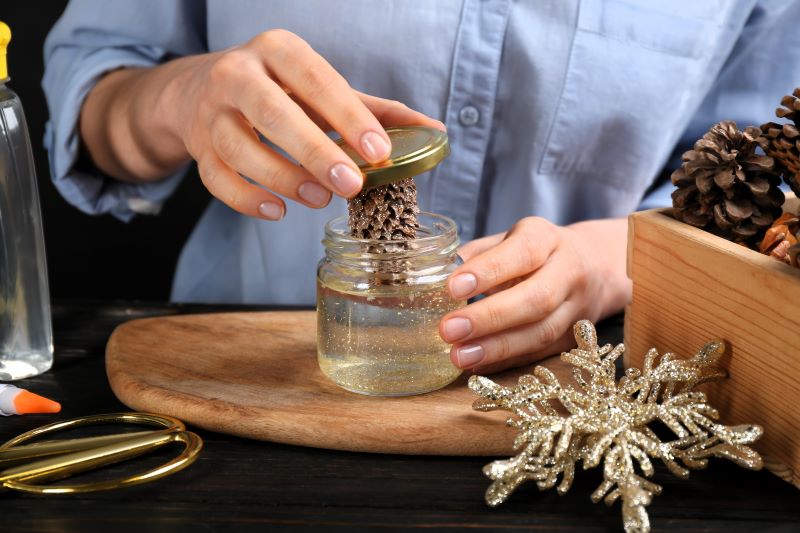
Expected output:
(726, 187)
(386, 212)
(784, 140)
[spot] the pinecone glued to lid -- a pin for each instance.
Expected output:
(386, 212)
(784, 140)
(726, 187)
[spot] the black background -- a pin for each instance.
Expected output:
(88, 256)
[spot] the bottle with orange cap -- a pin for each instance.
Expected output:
(26, 341)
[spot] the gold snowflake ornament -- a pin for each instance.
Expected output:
(607, 421)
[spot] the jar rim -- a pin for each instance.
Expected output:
(439, 239)
(336, 228)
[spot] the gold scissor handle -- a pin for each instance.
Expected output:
(107, 451)
(49, 448)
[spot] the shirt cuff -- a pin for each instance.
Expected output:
(91, 191)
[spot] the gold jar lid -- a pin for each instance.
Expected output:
(415, 149)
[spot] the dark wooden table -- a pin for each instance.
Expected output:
(240, 485)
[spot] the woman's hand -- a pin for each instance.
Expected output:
(211, 107)
(539, 279)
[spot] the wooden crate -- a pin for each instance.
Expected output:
(690, 287)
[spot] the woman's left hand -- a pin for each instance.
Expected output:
(539, 279)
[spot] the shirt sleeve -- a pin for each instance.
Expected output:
(763, 66)
(91, 38)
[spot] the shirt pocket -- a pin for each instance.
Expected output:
(634, 73)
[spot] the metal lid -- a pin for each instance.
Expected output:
(415, 149)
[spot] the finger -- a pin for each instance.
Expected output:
(544, 336)
(394, 113)
(236, 192)
(526, 248)
(388, 112)
(511, 362)
(469, 250)
(502, 287)
(239, 147)
(529, 301)
(267, 107)
(270, 110)
(311, 113)
(309, 76)
(562, 345)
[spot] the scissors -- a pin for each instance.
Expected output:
(31, 465)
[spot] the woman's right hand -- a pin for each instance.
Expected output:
(212, 107)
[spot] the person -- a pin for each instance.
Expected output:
(561, 116)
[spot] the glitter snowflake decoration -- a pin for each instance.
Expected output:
(607, 421)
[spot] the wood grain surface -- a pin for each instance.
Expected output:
(691, 287)
(245, 485)
(255, 375)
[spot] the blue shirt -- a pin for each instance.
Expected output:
(564, 109)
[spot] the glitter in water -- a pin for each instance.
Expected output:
(385, 342)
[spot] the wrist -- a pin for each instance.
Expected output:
(164, 105)
(125, 131)
(604, 245)
(171, 86)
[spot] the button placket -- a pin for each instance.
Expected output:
(476, 64)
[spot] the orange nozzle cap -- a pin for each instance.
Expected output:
(27, 402)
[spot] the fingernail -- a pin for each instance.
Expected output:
(346, 181)
(469, 355)
(314, 194)
(463, 285)
(271, 211)
(375, 147)
(457, 328)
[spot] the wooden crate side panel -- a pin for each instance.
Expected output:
(691, 287)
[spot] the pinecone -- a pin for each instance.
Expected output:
(387, 212)
(781, 238)
(726, 187)
(784, 140)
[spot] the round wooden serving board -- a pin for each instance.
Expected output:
(255, 375)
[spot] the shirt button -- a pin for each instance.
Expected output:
(469, 115)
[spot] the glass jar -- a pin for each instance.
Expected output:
(379, 304)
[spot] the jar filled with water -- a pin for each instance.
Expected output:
(382, 285)
(378, 309)
(26, 344)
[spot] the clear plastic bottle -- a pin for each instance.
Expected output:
(26, 338)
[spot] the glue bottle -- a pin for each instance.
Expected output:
(26, 339)
(16, 401)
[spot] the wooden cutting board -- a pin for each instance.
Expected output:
(255, 375)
